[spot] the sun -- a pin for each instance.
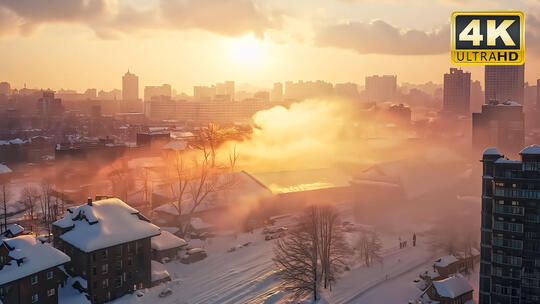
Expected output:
(247, 51)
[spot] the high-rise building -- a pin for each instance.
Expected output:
(504, 82)
(477, 96)
(457, 92)
(500, 125)
(381, 88)
(130, 87)
(204, 93)
(307, 89)
(510, 233)
(277, 92)
(225, 90)
(156, 91)
(5, 88)
(348, 90)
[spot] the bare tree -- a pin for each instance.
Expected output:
(5, 199)
(297, 257)
(193, 182)
(333, 249)
(313, 253)
(370, 248)
(31, 197)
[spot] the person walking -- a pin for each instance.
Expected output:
(414, 240)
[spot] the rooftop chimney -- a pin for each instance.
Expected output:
(89, 201)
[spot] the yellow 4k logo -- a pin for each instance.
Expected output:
(487, 38)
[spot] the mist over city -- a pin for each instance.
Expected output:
(276, 152)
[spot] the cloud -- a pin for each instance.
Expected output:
(112, 19)
(382, 38)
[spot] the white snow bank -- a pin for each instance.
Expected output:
(452, 287)
(159, 272)
(167, 240)
(35, 257)
(104, 224)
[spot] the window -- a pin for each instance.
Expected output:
(119, 250)
(34, 280)
(50, 274)
(51, 292)
(130, 261)
(130, 248)
(104, 253)
(35, 298)
(105, 268)
(119, 266)
(105, 283)
(118, 281)
(94, 257)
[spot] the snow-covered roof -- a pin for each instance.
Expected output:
(445, 261)
(175, 145)
(167, 240)
(159, 272)
(4, 169)
(532, 149)
(35, 257)
(509, 103)
(491, 151)
(103, 224)
(198, 224)
(15, 229)
(502, 160)
(452, 287)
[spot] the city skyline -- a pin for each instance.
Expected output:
(268, 42)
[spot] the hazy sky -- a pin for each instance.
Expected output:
(83, 44)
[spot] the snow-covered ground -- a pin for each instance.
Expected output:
(247, 274)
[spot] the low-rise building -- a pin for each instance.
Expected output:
(109, 245)
(166, 246)
(29, 271)
(452, 290)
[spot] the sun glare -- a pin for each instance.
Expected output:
(247, 51)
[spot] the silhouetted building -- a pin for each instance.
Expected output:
(262, 96)
(225, 90)
(49, 106)
(307, 89)
(130, 87)
(477, 96)
(510, 242)
(504, 82)
(457, 92)
(157, 91)
(277, 92)
(500, 125)
(5, 88)
(204, 93)
(348, 90)
(381, 88)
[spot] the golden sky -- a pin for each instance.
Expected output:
(81, 44)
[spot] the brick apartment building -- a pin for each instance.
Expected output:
(109, 244)
(29, 271)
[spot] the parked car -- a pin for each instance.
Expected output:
(194, 255)
(165, 293)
